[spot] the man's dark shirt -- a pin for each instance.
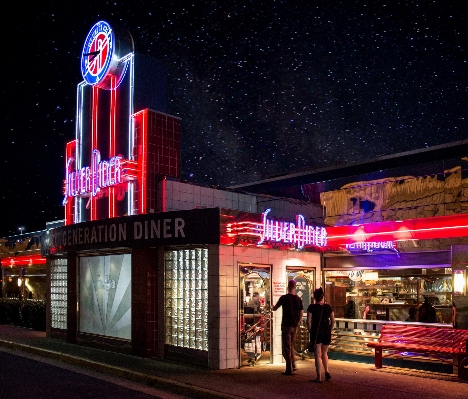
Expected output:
(292, 306)
(349, 311)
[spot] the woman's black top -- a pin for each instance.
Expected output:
(324, 332)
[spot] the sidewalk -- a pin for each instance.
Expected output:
(349, 380)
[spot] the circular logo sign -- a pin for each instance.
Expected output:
(97, 54)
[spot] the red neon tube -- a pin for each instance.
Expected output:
(411, 229)
(94, 142)
(23, 260)
(112, 144)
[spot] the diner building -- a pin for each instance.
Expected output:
(147, 264)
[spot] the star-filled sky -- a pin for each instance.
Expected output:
(262, 87)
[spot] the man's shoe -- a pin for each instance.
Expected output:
(287, 373)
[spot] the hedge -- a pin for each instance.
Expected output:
(23, 313)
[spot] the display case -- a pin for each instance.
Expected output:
(388, 294)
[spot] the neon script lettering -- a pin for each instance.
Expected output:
(89, 180)
(370, 246)
(299, 233)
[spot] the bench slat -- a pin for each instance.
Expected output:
(423, 337)
(418, 339)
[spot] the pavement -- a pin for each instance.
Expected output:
(349, 379)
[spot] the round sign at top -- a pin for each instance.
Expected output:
(103, 62)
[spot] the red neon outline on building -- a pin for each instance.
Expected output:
(94, 144)
(112, 142)
(144, 159)
(402, 230)
(23, 260)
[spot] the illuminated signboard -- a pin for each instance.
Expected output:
(272, 231)
(371, 246)
(196, 226)
(259, 230)
(299, 233)
(101, 174)
(105, 55)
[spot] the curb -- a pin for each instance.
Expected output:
(166, 384)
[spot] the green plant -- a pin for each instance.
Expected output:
(23, 313)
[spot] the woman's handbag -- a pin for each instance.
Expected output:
(312, 346)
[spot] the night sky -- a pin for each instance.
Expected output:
(262, 87)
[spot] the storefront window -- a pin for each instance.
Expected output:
(105, 295)
(388, 294)
(27, 282)
(58, 293)
(186, 298)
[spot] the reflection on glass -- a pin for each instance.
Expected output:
(255, 316)
(304, 287)
(186, 298)
(105, 295)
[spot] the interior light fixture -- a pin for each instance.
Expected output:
(459, 282)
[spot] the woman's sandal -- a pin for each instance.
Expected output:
(315, 380)
(327, 376)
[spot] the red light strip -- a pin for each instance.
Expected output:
(129, 170)
(94, 142)
(411, 229)
(163, 192)
(23, 260)
(244, 228)
(112, 142)
(143, 155)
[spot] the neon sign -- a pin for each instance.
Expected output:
(371, 246)
(400, 230)
(90, 180)
(299, 233)
(105, 56)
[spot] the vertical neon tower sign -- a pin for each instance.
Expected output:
(118, 157)
(100, 166)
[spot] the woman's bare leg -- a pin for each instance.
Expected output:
(318, 357)
(325, 357)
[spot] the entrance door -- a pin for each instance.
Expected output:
(304, 288)
(254, 314)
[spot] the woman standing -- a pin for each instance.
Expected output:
(320, 322)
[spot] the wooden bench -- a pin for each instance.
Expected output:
(439, 343)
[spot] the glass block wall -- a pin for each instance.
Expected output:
(58, 293)
(186, 298)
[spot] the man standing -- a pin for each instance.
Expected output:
(293, 310)
(349, 309)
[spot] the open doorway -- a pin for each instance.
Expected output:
(254, 314)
